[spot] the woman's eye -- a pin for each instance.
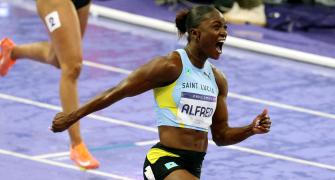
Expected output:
(217, 27)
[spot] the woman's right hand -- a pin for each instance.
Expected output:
(62, 121)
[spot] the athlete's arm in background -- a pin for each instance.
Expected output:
(158, 72)
(222, 134)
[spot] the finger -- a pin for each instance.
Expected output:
(261, 120)
(263, 129)
(265, 121)
(257, 123)
(265, 112)
(265, 125)
(53, 129)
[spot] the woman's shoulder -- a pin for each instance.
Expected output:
(221, 80)
(171, 60)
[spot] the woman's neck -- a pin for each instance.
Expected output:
(196, 59)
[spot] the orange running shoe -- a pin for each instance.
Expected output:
(6, 62)
(82, 157)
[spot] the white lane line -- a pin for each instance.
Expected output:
(282, 106)
(30, 102)
(151, 129)
(281, 157)
(106, 67)
(145, 143)
(66, 153)
(52, 155)
(63, 165)
(60, 158)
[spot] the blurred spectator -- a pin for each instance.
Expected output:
(237, 11)
(326, 2)
(246, 12)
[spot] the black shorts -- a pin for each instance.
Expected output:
(80, 3)
(161, 161)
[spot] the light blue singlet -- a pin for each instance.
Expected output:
(190, 101)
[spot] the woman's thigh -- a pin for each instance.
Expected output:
(63, 25)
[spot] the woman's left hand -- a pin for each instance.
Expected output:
(262, 123)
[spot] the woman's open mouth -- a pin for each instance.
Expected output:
(219, 45)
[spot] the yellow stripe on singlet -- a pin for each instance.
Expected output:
(154, 154)
(164, 97)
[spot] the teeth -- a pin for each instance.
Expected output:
(219, 50)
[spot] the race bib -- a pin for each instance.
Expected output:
(52, 21)
(196, 110)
